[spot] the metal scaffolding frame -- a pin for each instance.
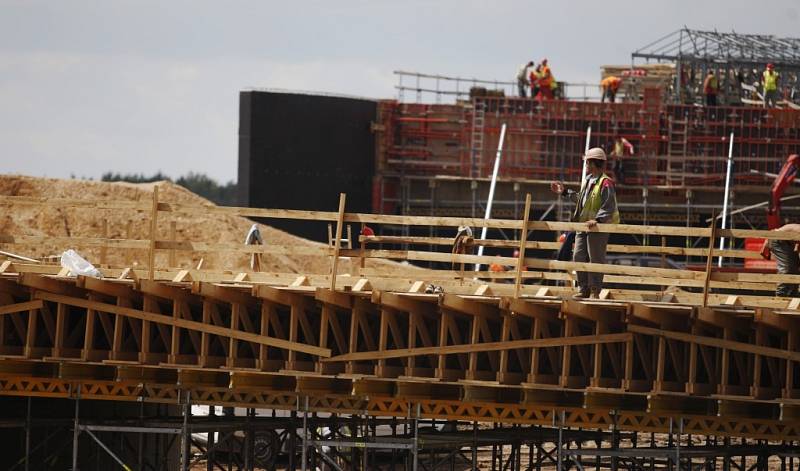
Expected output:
(361, 442)
(735, 55)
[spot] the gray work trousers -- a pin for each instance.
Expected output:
(590, 247)
(788, 264)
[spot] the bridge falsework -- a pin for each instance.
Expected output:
(703, 351)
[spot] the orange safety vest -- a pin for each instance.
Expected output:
(545, 77)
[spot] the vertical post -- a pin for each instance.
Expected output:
(210, 455)
(28, 435)
(128, 235)
(76, 431)
(523, 239)
(337, 242)
(712, 234)
(173, 229)
(151, 255)
(560, 453)
(415, 464)
(474, 446)
(488, 213)
(585, 151)
(725, 198)
(103, 248)
(303, 463)
(140, 441)
(185, 443)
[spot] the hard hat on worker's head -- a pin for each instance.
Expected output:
(516, 253)
(562, 237)
(770, 66)
(596, 153)
(530, 63)
(544, 61)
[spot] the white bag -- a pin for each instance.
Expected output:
(78, 265)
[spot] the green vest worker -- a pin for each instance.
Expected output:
(596, 202)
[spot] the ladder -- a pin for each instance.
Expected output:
(676, 152)
(476, 144)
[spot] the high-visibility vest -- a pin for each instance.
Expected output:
(545, 77)
(593, 202)
(711, 86)
(770, 80)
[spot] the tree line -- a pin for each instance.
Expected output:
(198, 183)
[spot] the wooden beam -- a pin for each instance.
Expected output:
(19, 307)
(523, 238)
(151, 251)
(484, 347)
(184, 323)
(717, 343)
(338, 241)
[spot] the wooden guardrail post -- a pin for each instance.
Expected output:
(709, 256)
(151, 255)
(173, 230)
(523, 239)
(337, 241)
(104, 249)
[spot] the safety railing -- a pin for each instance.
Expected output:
(531, 269)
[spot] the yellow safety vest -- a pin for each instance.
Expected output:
(593, 203)
(770, 80)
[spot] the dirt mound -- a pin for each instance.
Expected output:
(29, 220)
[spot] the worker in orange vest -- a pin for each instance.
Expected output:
(546, 82)
(610, 86)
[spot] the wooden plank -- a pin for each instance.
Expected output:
(184, 324)
(709, 258)
(151, 251)
(717, 343)
(338, 241)
(20, 307)
(523, 238)
(484, 347)
(539, 245)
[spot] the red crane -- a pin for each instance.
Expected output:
(785, 178)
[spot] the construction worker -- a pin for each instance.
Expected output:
(610, 86)
(710, 88)
(770, 81)
(522, 78)
(534, 80)
(546, 82)
(596, 202)
(788, 262)
(619, 148)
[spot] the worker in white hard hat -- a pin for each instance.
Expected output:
(596, 202)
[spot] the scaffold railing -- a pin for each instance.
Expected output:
(415, 87)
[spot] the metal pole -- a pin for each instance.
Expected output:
(585, 151)
(725, 199)
(76, 432)
(305, 434)
(185, 445)
(559, 455)
(108, 450)
(28, 435)
(415, 464)
(474, 446)
(488, 212)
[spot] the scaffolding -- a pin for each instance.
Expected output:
(737, 58)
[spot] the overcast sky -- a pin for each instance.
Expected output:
(142, 86)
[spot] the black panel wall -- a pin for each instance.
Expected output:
(300, 151)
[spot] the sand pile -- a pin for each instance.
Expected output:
(29, 220)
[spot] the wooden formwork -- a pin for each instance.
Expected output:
(482, 350)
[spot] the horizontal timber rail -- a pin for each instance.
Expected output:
(531, 267)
